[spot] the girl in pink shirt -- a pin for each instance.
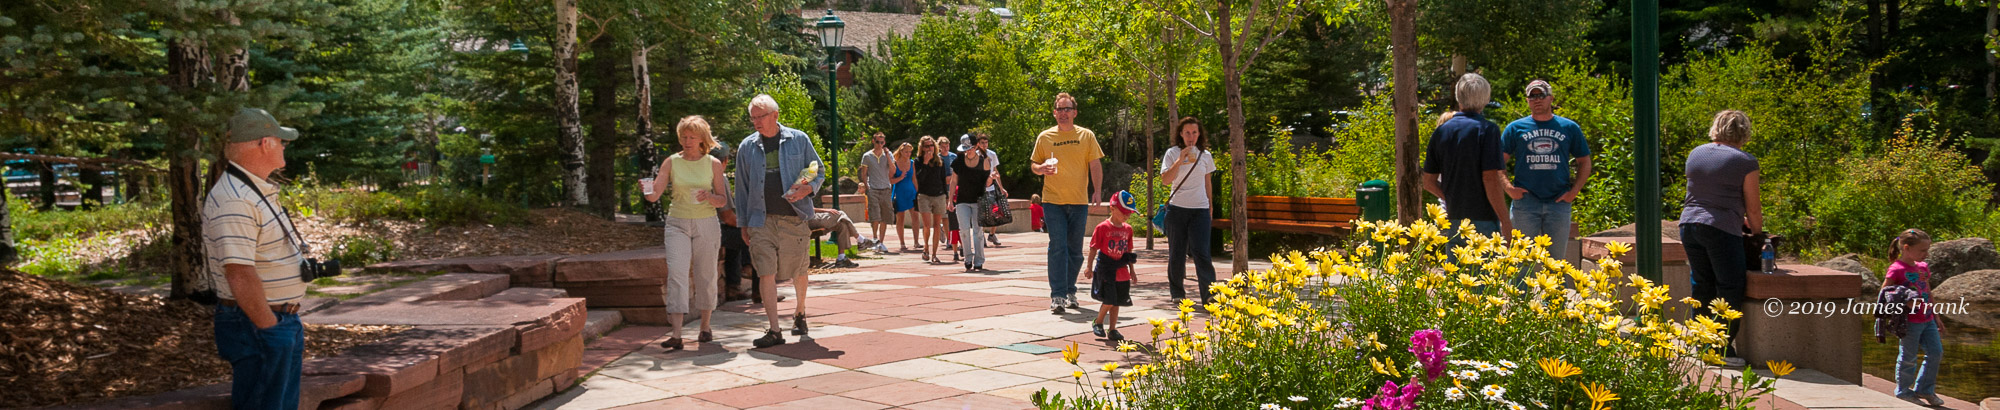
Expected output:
(1923, 336)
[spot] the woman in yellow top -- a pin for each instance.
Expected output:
(693, 233)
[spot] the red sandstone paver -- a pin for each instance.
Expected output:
(903, 311)
(957, 304)
(971, 401)
(690, 348)
(867, 349)
(842, 382)
(888, 323)
(844, 318)
(677, 403)
(904, 393)
(930, 281)
(825, 403)
(831, 306)
(912, 300)
(628, 339)
(975, 313)
(596, 359)
(758, 395)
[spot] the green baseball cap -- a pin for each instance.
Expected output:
(249, 124)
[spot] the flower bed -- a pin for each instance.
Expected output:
(1403, 320)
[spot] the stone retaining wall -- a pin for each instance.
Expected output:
(475, 344)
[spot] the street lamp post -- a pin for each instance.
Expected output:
(830, 28)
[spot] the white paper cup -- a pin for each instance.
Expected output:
(647, 184)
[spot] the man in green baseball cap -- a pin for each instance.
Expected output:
(257, 326)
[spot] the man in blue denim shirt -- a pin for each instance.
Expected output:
(1542, 145)
(771, 206)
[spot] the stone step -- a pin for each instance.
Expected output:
(632, 264)
(600, 322)
(531, 270)
(529, 294)
(418, 356)
(538, 322)
(455, 286)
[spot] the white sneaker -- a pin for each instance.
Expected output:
(1072, 301)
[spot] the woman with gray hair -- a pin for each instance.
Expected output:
(1721, 202)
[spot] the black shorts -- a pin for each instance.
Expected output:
(1104, 284)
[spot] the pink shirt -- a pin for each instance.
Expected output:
(1916, 278)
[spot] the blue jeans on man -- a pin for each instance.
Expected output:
(1066, 225)
(265, 364)
(1535, 217)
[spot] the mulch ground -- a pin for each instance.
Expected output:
(63, 343)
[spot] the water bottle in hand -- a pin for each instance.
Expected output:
(1770, 257)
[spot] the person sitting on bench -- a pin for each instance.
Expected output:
(834, 221)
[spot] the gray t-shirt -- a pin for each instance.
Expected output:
(1715, 187)
(878, 168)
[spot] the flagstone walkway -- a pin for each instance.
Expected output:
(895, 333)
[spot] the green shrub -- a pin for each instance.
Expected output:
(363, 250)
(1920, 182)
(433, 205)
(31, 223)
(1331, 328)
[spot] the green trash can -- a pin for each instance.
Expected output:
(1373, 197)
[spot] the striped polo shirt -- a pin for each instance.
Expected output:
(240, 230)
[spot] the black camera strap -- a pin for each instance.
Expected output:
(284, 220)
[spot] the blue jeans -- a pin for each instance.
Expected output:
(1716, 269)
(1188, 232)
(968, 233)
(265, 364)
(1066, 230)
(1910, 379)
(1536, 217)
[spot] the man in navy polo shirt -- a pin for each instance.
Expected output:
(1463, 164)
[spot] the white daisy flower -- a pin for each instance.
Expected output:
(1493, 392)
(1270, 406)
(1508, 364)
(1503, 372)
(1296, 398)
(1515, 406)
(1347, 402)
(1453, 394)
(1466, 375)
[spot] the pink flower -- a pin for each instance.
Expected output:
(1392, 397)
(1431, 350)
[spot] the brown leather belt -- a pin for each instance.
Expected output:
(287, 308)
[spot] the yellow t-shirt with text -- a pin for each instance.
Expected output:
(1074, 151)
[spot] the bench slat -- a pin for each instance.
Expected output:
(1303, 216)
(1301, 200)
(1310, 208)
(1288, 226)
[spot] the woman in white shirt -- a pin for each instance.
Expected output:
(1187, 166)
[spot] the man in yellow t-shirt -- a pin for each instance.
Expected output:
(1067, 193)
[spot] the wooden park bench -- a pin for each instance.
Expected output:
(1298, 214)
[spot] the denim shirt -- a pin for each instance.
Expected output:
(795, 150)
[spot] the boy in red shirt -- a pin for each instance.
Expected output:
(1111, 276)
(1035, 212)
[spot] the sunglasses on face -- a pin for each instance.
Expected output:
(1538, 96)
(1070, 109)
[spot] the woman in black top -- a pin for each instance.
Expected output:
(974, 174)
(931, 189)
